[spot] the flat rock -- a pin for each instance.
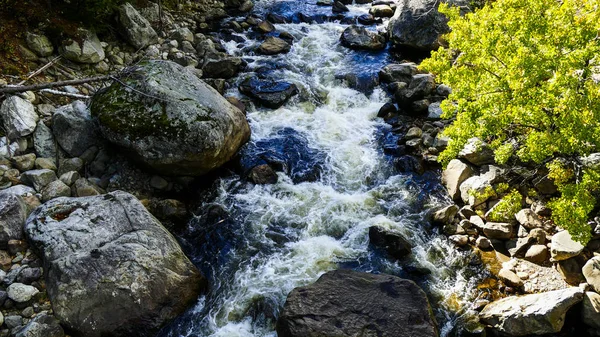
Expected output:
(564, 247)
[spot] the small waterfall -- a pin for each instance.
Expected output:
(269, 239)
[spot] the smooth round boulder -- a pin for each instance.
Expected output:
(351, 303)
(111, 268)
(168, 119)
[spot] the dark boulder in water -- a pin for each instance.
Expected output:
(350, 303)
(262, 175)
(394, 244)
(356, 37)
(272, 94)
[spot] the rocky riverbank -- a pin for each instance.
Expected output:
(94, 174)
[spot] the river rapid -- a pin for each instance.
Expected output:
(255, 243)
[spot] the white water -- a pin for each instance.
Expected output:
(326, 221)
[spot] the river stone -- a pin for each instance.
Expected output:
(358, 37)
(169, 120)
(40, 44)
(381, 11)
(18, 117)
(445, 215)
(350, 303)
(590, 312)
(86, 49)
(272, 94)
(497, 230)
(529, 219)
(454, 175)
(21, 293)
(137, 30)
(262, 175)
(42, 325)
(222, 67)
(43, 141)
(534, 314)
(395, 72)
(563, 247)
(55, 189)
(537, 254)
(13, 213)
(591, 272)
(273, 45)
(511, 279)
(38, 178)
(477, 152)
(74, 129)
(111, 268)
(393, 243)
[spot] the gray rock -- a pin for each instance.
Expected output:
(13, 321)
(21, 293)
(74, 129)
(445, 215)
(394, 72)
(434, 111)
(222, 67)
(13, 213)
(178, 126)
(88, 245)
(45, 163)
(350, 303)
(19, 190)
(591, 272)
(477, 152)
(394, 243)
(564, 247)
(70, 164)
(420, 86)
(38, 178)
(497, 230)
(43, 141)
(528, 219)
(25, 162)
(590, 312)
(69, 178)
(473, 190)
(509, 278)
(272, 94)
(137, 30)
(86, 49)
(537, 254)
(273, 46)
(454, 175)
(358, 37)
(84, 188)
(42, 325)
(534, 314)
(39, 44)
(570, 270)
(18, 117)
(54, 190)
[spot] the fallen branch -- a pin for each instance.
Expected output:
(64, 93)
(39, 71)
(35, 87)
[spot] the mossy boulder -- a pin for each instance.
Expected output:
(170, 120)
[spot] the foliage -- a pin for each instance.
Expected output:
(507, 207)
(524, 75)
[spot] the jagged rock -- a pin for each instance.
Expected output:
(477, 152)
(394, 72)
(349, 303)
(272, 94)
(137, 30)
(273, 46)
(454, 175)
(88, 245)
(86, 49)
(519, 247)
(564, 247)
(74, 129)
(534, 314)
(13, 213)
(590, 312)
(591, 272)
(357, 37)
(394, 244)
(18, 117)
(169, 120)
(445, 215)
(40, 44)
(420, 86)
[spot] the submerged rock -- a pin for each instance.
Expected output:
(350, 303)
(357, 37)
(534, 314)
(111, 268)
(272, 94)
(170, 120)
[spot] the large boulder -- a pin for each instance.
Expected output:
(84, 49)
(74, 129)
(591, 272)
(590, 312)
(417, 24)
(111, 268)
(167, 118)
(360, 38)
(350, 303)
(534, 314)
(454, 175)
(13, 213)
(137, 30)
(18, 117)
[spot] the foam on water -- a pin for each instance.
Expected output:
(324, 223)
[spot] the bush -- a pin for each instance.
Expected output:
(524, 78)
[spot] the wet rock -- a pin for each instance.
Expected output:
(265, 27)
(86, 49)
(590, 312)
(454, 175)
(459, 240)
(42, 325)
(349, 303)
(564, 247)
(394, 72)
(88, 244)
(74, 129)
(272, 94)
(367, 19)
(386, 110)
(420, 86)
(534, 314)
(137, 30)
(356, 37)
(13, 213)
(263, 174)
(477, 152)
(394, 244)
(40, 44)
(18, 117)
(21, 293)
(273, 46)
(339, 7)
(201, 130)
(381, 11)
(226, 67)
(591, 272)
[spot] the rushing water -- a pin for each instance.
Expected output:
(256, 243)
